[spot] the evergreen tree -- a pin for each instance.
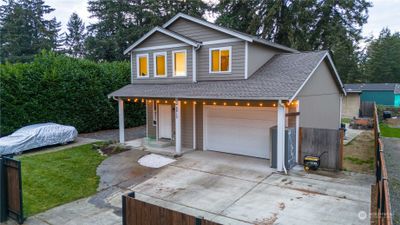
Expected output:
(304, 25)
(25, 31)
(383, 58)
(120, 23)
(75, 37)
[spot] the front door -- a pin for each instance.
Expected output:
(165, 121)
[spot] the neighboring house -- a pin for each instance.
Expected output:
(207, 87)
(381, 93)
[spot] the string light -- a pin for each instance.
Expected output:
(185, 102)
(248, 104)
(261, 104)
(224, 103)
(166, 101)
(194, 103)
(214, 103)
(174, 102)
(204, 103)
(274, 105)
(236, 103)
(135, 100)
(149, 101)
(158, 101)
(129, 99)
(142, 100)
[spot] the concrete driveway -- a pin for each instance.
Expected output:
(221, 187)
(241, 190)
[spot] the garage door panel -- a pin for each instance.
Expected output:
(239, 130)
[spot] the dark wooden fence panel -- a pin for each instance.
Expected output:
(12, 189)
(367, 109)
(382, 215)
(315, 141)
(136, 212)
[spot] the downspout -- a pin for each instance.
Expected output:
(194, 63)
(283, 153)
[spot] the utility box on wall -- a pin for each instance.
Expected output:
(290, 147)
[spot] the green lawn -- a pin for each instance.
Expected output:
(387, 131)
(56, 178)
(346, 120)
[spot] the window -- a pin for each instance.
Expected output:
(220, 60)
(160, 64)
(142, 65)
(179, 63)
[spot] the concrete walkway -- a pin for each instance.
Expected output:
(392, 158)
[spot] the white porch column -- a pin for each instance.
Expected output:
(281, 137)
(121, 121)
(178, 132)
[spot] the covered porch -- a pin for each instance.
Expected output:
(244, 127)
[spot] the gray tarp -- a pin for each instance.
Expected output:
(35, 136)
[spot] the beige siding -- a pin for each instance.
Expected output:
(351, 105)
(169, 78)
(157, 39)
(150, 127)
(196, 31)
(258, 55)
(238, 58)
(320, 100)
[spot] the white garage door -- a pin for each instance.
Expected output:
(239, 130)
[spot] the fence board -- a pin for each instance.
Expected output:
(316, 141)
(367, 109)
(136, 212)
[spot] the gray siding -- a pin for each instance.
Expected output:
(196, 31)
(320, 100)
(157, 39)
(238, 61)
(187, 125)
(169, 78)
(151, 129)
(258, 55)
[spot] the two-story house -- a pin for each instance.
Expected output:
(211, 88)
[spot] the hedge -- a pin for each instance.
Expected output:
(57, 88)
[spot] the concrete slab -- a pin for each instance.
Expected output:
(229, 165)
(351, 134)
(268, 204)
(205, 191)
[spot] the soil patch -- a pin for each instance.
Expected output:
(359, 154)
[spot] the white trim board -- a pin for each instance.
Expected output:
(158, 47)
(221, 41)
(164, 31)
(207, 24)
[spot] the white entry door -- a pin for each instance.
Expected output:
(165, 121)
(239, 130)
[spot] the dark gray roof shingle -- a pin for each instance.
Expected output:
(372, 87)
(279, 78)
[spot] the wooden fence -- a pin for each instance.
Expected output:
(313, 141)
(367, 109)
(382, 198)
(136, 212)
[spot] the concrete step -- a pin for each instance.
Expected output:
(158, 144)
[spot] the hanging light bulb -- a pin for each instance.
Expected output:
(236, 103)
(261, 104)
(274, 105)
(248, 104)
(204, 103)
(214, 103)
(166, 101)
(129, 99)
(224, 103)
(194, 103)
(142, 100)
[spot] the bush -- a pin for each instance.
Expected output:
(64, 90)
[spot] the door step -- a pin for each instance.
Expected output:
(161, 143)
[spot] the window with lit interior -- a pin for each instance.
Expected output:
(179, 63)
(220, 60)
(142, 65)
(160, 64)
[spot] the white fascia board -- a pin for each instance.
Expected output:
(161, 30)
(312, 72)
(207, 24)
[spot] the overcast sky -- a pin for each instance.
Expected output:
(384, 13)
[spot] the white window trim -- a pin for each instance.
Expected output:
(155, 64)
(210, 61)
(173, 63)
(137, 66)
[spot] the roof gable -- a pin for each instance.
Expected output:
(165, 32)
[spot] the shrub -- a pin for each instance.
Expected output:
(57, 88)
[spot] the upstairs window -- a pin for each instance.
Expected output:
(160, 64)
(179, 63)
(220, 60)
(142, 65)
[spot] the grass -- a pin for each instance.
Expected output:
(346, 120)
(387, 131)
(55, 178)
(359, 154)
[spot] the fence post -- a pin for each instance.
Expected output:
(3, 196)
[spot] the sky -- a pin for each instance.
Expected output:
(384, 13)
